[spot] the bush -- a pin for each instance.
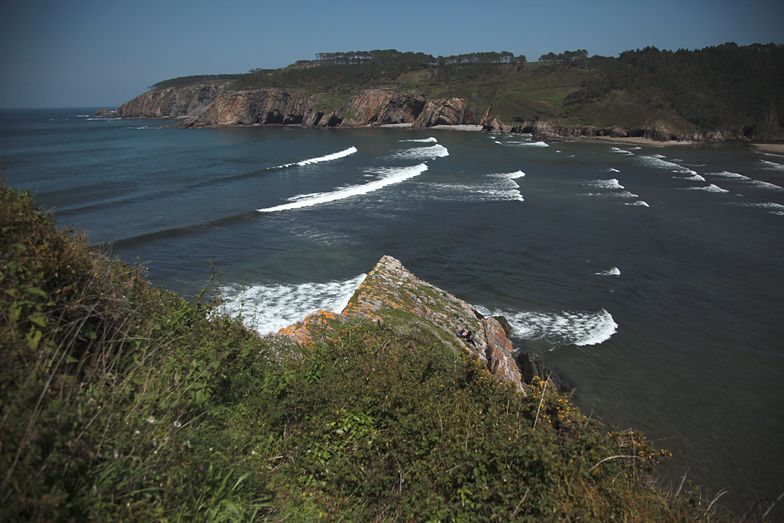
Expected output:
(122, 401)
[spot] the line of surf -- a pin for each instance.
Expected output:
(559, 328)
(421, 140)
(393, 176)
(327, 158)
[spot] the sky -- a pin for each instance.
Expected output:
(89, 53)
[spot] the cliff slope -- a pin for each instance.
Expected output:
(721, 93)
(120, 401)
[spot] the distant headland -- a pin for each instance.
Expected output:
(716, 94)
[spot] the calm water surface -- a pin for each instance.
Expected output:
(685, 343)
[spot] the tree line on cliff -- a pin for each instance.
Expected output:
(737, 89)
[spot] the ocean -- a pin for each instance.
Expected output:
(651, 279)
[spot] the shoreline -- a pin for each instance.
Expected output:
(772, 148)
(634, 141)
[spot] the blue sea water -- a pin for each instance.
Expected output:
(650, 278)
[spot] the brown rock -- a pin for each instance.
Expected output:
(444, 111)
(390, 286)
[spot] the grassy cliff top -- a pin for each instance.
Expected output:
(120, 401)
(720, 88)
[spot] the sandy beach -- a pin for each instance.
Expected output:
(774, 148)
(635, 141)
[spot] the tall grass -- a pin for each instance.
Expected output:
(120, 401)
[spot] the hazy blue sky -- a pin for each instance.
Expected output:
(102, 52)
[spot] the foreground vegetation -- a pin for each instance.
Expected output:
(121, 401)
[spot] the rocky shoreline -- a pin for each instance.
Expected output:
(392, 294)
(215, 105)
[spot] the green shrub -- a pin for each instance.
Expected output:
(125, 402)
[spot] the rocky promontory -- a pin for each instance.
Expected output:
(390, 294)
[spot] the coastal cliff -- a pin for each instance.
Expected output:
(699, 96)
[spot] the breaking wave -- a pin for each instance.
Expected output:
(421, 140)
(269, 308)
(695, 178)
(613, 170)
(421, 153)
(749, 181)
(390, 176)
(765, 185)
(327, 158)
(612, 183)
(772, 166)
(709, 188)
(655, 160)
(559, 328)
(638, 203)
(728, 174)
(618, 150)
(497, 187)
(615, 271)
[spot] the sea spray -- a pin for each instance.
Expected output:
(269, 308)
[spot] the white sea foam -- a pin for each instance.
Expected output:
(390, 176)
(638, 203)
(615, 271)
(708, 188)
(421, 153)
(613, 170)
(422, 140)
(329, 157)
(495, 187)
(559, 328)
(655, 160)
(749, 181)
(635, 148)
(765, 185)
(269, 308)
(613, 194)
(618, 150)
(772, 166)
(612, 183)
(533, 144)
(82, 115)
(695, 178)
(511, 176)
(728, 174)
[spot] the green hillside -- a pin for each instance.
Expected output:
(120, 401)
(735, 90)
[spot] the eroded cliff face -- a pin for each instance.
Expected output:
(391, 294)
(171, 102)
(217, 105)
(445, 111)
(208, 105)
(382, 106)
